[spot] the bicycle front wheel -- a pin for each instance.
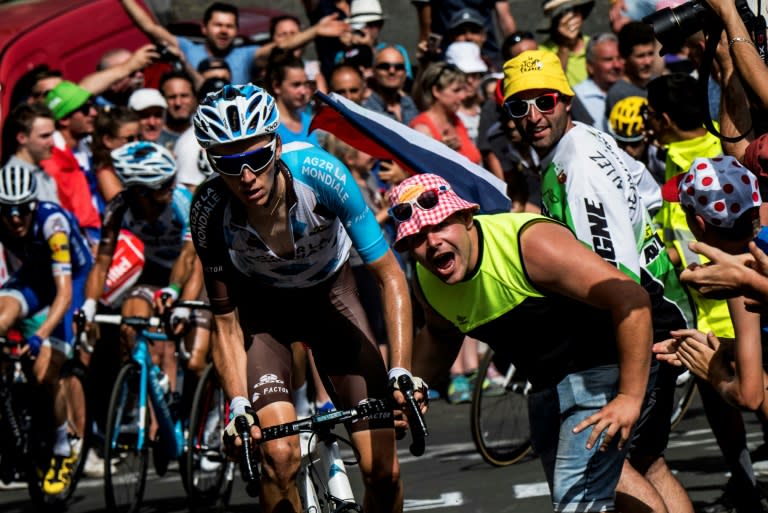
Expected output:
(499, 418)
(125, 463)
(208, 473)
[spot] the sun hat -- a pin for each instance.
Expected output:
(364, 11)
(465, 15)
(448, 203)
(465, 55)
(535, 69)
(145, 98)
(719, 189)
(66, 98)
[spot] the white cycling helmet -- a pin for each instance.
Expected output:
(235, 113)
(143, 163)
(18, 185)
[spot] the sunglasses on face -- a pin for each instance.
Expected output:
(129, 138)
(85, 109)
(233, 165)
(545, 104)
(17, 210)
(40, 94)
(386, 66)
(427, 200)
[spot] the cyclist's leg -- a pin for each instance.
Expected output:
(347, 354)
(269, 379)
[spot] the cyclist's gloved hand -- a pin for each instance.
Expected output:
(419, 385)
(230, 437)
(166, 296)
(180, 315)
(35, 343)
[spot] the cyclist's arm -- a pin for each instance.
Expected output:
(229, 357)
(110, 231)
(557, 262)
(147, 24)
(396, 302)
(184, 266)
(61, 268)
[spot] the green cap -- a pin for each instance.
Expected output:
(65, 98)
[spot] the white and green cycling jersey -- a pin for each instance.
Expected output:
(603, 195)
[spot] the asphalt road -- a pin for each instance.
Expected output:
(450, 477)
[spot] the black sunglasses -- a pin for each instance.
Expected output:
(233, 165)
(427, 200)
(85, 108)
(17, 210)
(545, 104)
(386, 66)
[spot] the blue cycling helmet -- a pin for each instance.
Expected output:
(235, 113)
(143, 163)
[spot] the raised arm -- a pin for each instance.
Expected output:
(147, 24)
(328, 26)
(99, 81)
(505, 18)
(557, 262)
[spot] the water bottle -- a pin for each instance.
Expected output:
(18, 373)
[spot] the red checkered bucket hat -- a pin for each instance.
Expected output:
(424, 200)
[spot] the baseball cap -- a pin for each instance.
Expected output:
(66, 98)
(145, 98)
(448, 203)
(364, 11)
(465, 55)
(463, 16)
(535, 69)
(719, 189)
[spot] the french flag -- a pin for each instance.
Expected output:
(384, 138)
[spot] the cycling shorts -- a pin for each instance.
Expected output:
(330, 320)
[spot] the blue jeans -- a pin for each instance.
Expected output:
(580, 479)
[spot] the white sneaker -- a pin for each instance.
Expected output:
(208, 465)
(94, 465)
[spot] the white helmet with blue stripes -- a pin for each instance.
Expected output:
(143, 163)
(235, 113)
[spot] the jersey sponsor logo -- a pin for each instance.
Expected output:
(200, 213)
(327, 173)
(598, 226)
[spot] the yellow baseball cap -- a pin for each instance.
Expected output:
(535, 69)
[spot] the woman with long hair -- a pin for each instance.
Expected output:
(114, 127)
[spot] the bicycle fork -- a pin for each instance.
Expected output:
(325, 459)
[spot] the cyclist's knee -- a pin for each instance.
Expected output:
(383, 479)
(281, 463)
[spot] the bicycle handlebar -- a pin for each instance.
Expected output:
(320, 422)
(419, 431)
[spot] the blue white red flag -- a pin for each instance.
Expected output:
(384, 138)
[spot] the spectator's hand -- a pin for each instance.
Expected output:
(143, 57)
(666, 351)
(331, 26)
(726, 276)
(760, 260)
(695, 350)
(452, 141)
(391, 172)
(617, 15)
(615, 418)
(569, 26)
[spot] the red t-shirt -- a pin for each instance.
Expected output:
(74, 193)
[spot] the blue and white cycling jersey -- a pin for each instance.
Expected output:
(327, 214)
(163, 237)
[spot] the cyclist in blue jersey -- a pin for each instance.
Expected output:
(274, 230)
(54, 262)
(156, 210)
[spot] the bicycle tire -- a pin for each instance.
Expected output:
(214, 487)
(499, 423)
(685, 391)
(124, 489)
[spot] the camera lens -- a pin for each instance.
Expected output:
(673, 25)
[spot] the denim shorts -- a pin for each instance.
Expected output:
(580, 479)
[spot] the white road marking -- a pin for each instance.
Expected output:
(528, 490)
(447, 499)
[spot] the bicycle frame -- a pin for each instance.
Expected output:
(171, 434)
(323, 470)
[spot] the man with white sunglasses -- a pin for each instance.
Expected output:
(603, 195)
(273, 229)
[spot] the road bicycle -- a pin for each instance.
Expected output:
(27, 425)
(499, 419)
(138, 384)
(209, 473)
(322, 481)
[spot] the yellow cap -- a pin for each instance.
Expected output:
(535, 69)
